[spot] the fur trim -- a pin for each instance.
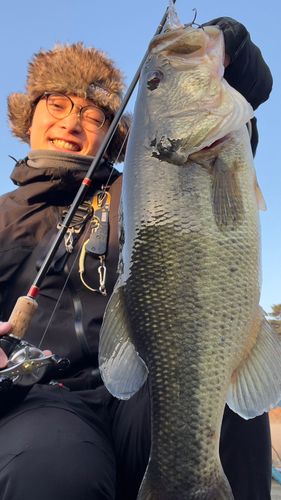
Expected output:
(71, 69)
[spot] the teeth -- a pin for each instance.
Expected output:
(65, 145)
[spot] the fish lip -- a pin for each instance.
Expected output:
(164, 41)
(171, 40)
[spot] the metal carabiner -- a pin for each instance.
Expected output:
(68, 240)
(102, 275)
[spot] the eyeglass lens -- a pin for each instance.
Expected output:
(59, 106)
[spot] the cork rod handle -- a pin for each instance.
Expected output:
(21, 316)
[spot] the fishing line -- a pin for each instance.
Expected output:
(62, 290)
(116, 161)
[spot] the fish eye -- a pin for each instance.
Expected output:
(154, 78)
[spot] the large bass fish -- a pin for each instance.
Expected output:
(185, 310)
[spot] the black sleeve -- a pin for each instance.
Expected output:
(245, 451)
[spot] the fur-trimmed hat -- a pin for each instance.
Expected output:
(71, 69)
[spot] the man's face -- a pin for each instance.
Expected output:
(66, 134)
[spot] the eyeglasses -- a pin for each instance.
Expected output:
(59, 106)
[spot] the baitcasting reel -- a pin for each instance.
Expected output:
(26, 363)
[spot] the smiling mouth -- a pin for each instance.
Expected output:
(65, 145)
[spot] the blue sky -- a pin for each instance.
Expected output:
(123, 28)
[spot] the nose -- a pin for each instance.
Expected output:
(72, 122)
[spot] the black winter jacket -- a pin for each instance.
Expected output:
(27, 215)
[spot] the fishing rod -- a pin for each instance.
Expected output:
(27, 363)
(90, 174)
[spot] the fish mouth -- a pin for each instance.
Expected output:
(62, 144)
(183, 41)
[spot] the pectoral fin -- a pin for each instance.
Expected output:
(227, 200)
(256, 384)
(122, 370)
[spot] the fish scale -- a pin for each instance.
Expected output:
(185, 309)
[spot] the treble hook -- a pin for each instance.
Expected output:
(195, 15)
(193, 22)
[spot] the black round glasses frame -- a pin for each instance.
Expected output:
(81, 113)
